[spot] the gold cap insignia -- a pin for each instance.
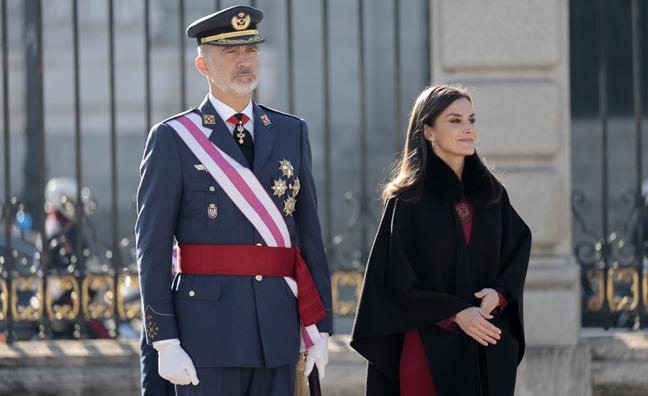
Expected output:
(241, 21)
(209, 119)
(265, 120)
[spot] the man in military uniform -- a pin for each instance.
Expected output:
(231, 182)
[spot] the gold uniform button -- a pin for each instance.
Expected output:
(192, 293)
(259, 278)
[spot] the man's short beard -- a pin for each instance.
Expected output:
(238, 87)
(242, 87)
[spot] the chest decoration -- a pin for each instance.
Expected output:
(279, 188)
(286, 168)
(287, 185)
(212, 211)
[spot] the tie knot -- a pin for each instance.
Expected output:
(238, 118)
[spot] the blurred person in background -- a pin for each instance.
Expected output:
(63, 243)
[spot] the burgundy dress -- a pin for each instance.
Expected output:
(415, 375)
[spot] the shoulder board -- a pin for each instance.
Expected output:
(180, 114)
(270, 109)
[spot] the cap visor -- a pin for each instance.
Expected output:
(242, 40)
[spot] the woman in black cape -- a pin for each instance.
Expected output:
(441, 306)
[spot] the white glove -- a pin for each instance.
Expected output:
(174, 365)
(318, 355)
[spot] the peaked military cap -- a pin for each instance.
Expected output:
(235, 25)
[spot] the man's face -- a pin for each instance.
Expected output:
(231, 69)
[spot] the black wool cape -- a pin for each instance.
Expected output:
(421, 271)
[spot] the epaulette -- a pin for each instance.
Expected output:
(180, 114)
(270, 109)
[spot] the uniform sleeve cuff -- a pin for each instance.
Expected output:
(159, 326)
(326, 325)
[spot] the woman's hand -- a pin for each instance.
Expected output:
(489, 299)
(473, 321)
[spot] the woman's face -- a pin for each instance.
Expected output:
(453, 133)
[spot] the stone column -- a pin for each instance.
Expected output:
(514, 56)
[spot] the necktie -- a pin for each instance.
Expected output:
(242, 136)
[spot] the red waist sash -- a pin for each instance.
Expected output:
(256, 260)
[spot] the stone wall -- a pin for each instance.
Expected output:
(515, 59)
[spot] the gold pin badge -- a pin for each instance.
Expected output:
(286, 168)
(212, 211)
(295, 186)
(241, 21)
(209, 119)
(289, 206)
(265, 120)
(152, 329)
(279, 188)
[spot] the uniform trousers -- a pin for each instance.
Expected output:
(242, 381)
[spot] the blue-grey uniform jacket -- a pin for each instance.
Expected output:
(224, 320)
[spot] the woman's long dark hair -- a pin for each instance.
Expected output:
(408, 173)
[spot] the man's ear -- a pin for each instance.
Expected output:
(201, 65)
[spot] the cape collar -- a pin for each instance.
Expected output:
(477, 184)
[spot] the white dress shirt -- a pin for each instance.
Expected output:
(225, 112)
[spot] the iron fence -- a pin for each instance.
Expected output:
(613, 259)
(61, 277)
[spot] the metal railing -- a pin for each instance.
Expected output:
(614, 263)
(58, 277)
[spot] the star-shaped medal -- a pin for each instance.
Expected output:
(286, 168)
(279, 187)
(289, 206)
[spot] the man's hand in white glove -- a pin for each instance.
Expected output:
(174, 365)
(318, 355)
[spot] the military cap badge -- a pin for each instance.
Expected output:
(237, 25)
(241, 21)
